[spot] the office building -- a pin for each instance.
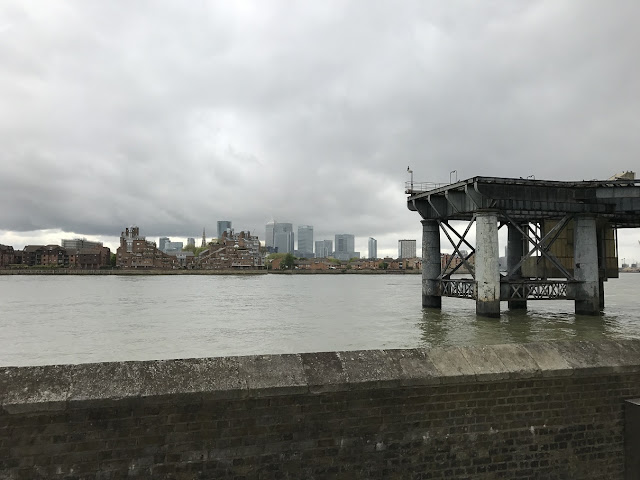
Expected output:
(345, 247)
(324, 248)
(162, 243)
(305, 241)
(79, 243)
(283, 238)
(406, 248)
(268, 235)
(191, 242)
(173, 247)
(279, 237)
(373, 248)
(223, 226)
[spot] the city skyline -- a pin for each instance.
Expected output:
(263, 118)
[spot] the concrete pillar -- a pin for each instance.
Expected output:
(586, 266)
(487, 269)
(431, 266)
(602, 263)
(515, 252)
(601, 298)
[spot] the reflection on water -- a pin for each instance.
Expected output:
(544, 320)
(73, 319)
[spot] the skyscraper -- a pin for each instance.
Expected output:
(324, 248)
(269, 240)
(162, 242)
(191, 242)
(280, 236)
(223, 225)
(345, 247)
(406, 248)
(305, 240)
(373, 248)
(283, 238)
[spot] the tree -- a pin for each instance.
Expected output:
(112, 260)
(287, 262)
(383, 265)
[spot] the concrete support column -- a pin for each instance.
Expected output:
(602, 263)
(515, 252)
(431, 266)
(586, 266)
(487, 269)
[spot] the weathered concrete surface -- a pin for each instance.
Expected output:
(41, 388)
(515, 252)
(487, 269)
(451, 365)
(273, 374)
(549, 359)
(324, 372)
(431, 264)
(484, 361)
(587, 301)
(53, 387)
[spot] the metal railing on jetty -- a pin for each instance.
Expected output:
(411, 188)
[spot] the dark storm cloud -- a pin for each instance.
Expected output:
(174, 115)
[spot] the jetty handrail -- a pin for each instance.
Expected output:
(421, 187)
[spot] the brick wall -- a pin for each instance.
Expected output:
(544, 410)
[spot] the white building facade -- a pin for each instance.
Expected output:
(406, 248)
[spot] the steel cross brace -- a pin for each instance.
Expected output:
(538, 245)
(551, 242)
(456, 247)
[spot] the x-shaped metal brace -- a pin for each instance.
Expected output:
(456, 248)
(540, 245)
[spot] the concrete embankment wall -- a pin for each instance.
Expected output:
(544, 410)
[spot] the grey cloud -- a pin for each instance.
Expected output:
(173, 116)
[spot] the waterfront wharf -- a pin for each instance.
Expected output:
(561, 239)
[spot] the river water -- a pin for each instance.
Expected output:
(80, 319)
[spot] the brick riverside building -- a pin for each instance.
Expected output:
(89, 258)
(55, 256)
(45, 256)
(233, 250)
(136, 252)
(7, 255)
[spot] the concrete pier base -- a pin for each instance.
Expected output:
(431, 266)
(515, 252)
(601, 294)
(587, 300)
(487, 269)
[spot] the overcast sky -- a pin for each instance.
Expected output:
(173, 115)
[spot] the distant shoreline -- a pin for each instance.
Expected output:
(134, 272)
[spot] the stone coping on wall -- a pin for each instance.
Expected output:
(58, 387)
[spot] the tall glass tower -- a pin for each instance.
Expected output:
(223, 225)
(373, 248)
(305, 240)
